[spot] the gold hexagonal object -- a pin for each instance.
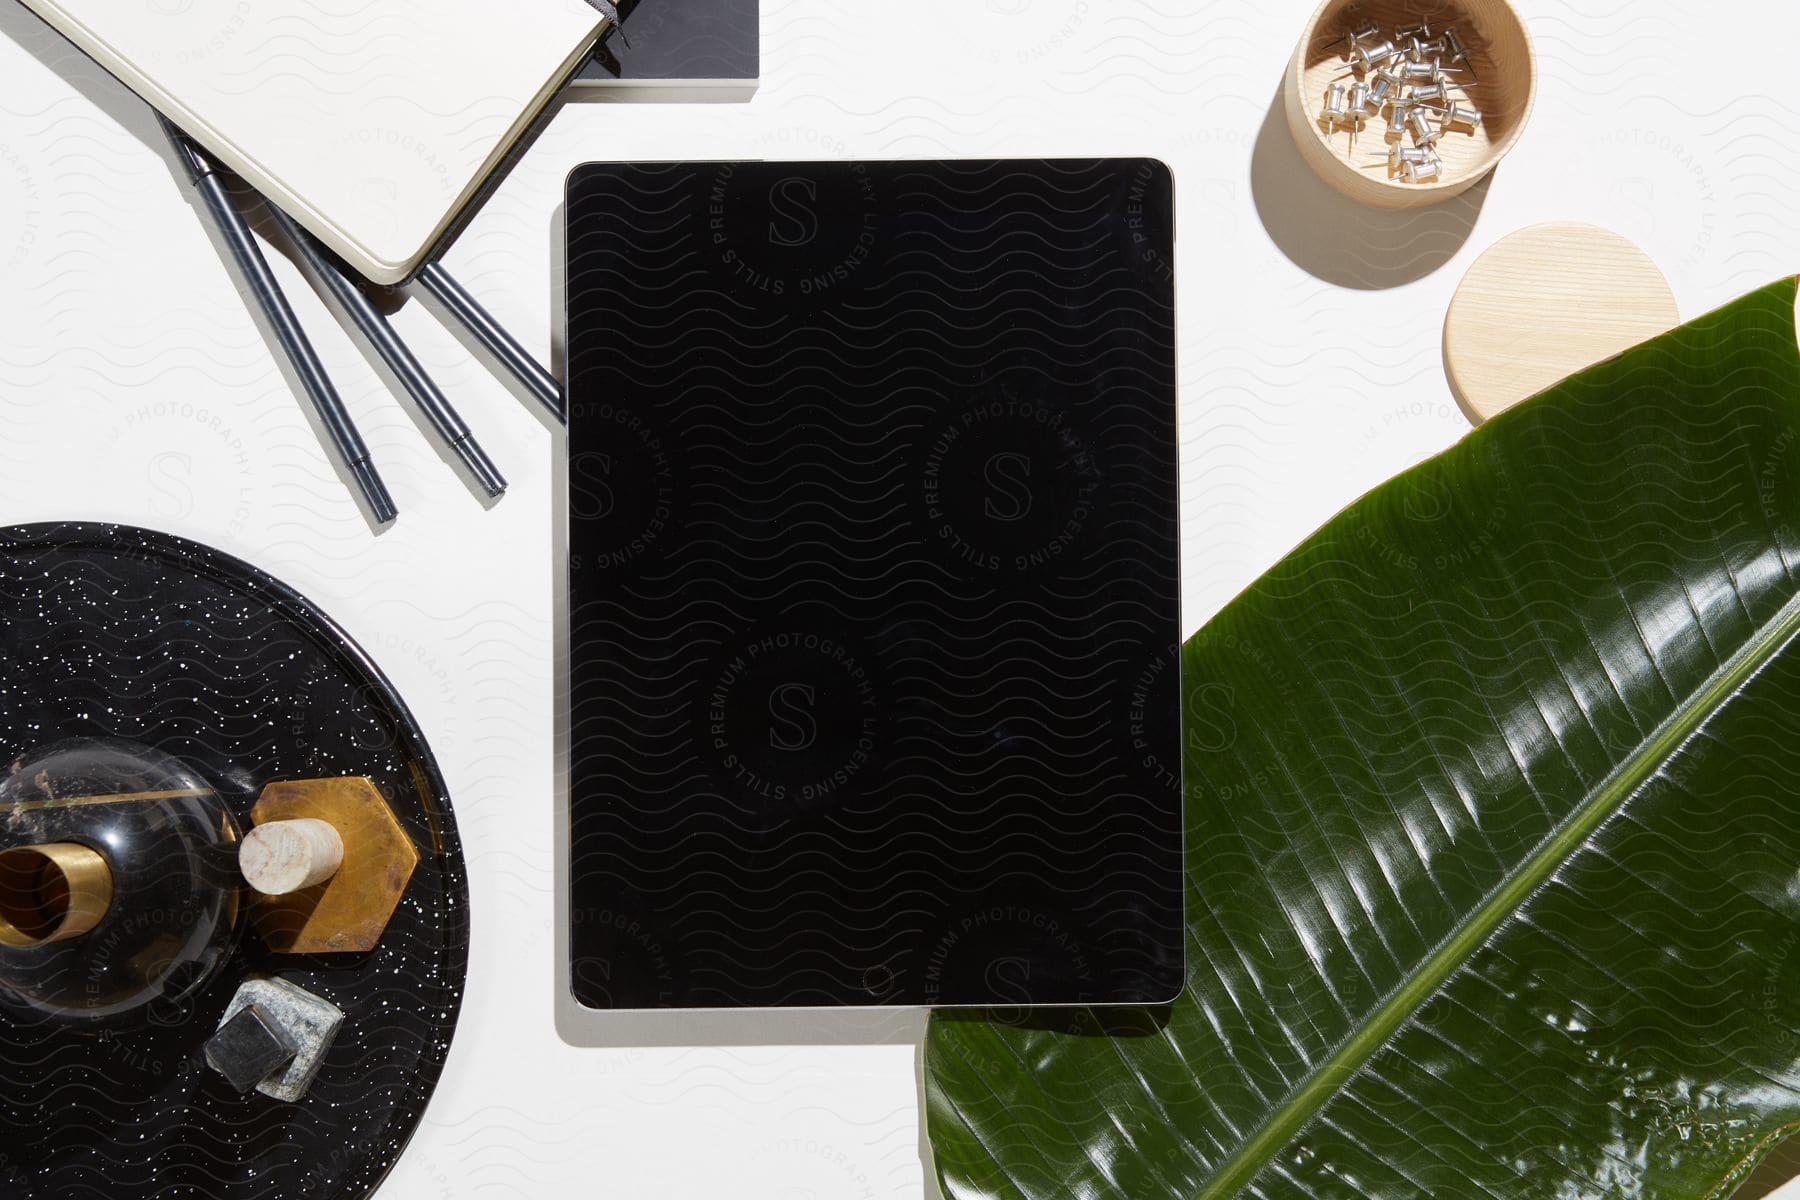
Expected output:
(349, 912)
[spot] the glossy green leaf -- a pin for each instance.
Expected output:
(1493, 820)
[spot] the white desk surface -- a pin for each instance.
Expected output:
(135, 387)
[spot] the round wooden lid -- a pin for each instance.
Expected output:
(1544, 303)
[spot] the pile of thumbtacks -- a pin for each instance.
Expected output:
(1409, 75)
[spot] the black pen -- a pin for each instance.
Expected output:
(518, 361)
(400, 360)
(515, 358)
(204, 174)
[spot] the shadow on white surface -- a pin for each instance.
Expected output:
(59, 55)
(1335, 239)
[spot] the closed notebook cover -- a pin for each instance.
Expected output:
(371, 122)
(701, 44)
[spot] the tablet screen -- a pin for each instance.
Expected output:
(874, 585)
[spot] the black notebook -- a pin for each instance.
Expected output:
(874, 585)
(706, 47)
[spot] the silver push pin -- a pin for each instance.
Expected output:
(1435, 95)
(1421, 72)
(1457, 53)
(1355, 38)
(1422, 172)
(1370, 57)
(1424, 48)
(1398, 110)
(1399, 156)
(1358, 115)
(1334, 113)
(1424, 133)
(1464, 117)
(1381, 91)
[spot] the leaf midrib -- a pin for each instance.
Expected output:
(1330, 1076)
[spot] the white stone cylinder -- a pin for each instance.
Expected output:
(283, 857)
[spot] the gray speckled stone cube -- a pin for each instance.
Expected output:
(248, 1048)
(307, 1021)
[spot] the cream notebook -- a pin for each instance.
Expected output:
(371, 122)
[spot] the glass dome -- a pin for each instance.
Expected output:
(118, 884)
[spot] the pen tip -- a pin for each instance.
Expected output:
(381, 504)
(481, 467)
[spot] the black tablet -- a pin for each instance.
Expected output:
(874, 584)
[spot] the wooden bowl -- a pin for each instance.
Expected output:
(1503, 90)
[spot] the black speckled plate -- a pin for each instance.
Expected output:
(108, 631)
